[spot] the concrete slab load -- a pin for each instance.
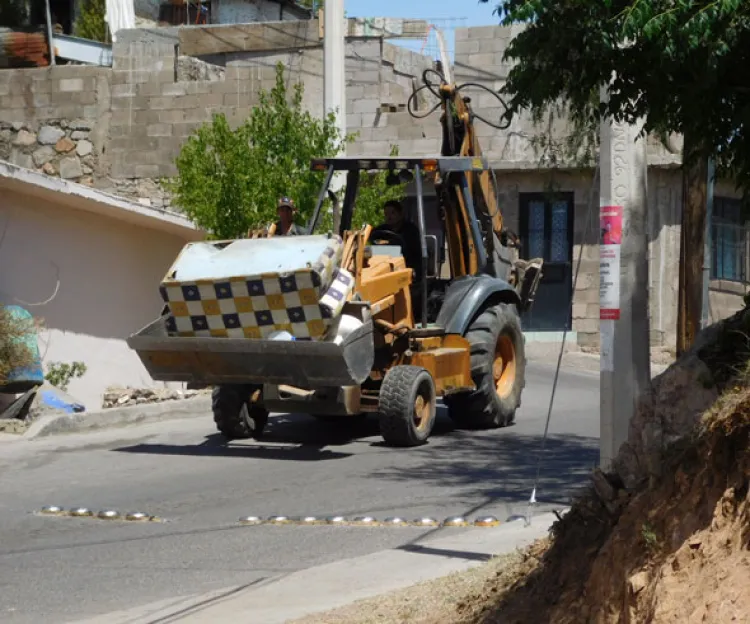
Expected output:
(322, 588)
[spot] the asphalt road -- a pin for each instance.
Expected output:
(69, 569)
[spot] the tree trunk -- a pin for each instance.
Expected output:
(692, 236)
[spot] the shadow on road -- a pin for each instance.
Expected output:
(307, 438)
(502, 465)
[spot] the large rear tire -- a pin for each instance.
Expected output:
(236, 417)
(498, 369)
(408, 406)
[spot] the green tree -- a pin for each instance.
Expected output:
(229, 180)
(90, 23)
(374, 192)
(671, 65)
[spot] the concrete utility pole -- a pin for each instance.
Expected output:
(706, 312)
(334, 51)
(623, 289)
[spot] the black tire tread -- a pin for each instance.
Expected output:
(226, 403)
(395, 410)
(483, 409)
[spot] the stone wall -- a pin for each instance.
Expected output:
(58, 147)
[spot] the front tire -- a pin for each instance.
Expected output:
(235, 415)
(498, 369)
(408, 406)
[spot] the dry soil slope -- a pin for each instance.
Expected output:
(666, 536)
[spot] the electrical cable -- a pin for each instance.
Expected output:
(532, 499)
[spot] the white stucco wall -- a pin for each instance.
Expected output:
(109, 272)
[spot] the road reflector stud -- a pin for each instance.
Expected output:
(109, 514)
(251, 520)
(426, 522)
(81, 512)
(486, 521)
(53, 510)
(365, 521)
(455, 521)
(137, 517)
(395, 521)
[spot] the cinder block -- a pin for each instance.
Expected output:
(185, 129)
(118, 132)
(173, 88)
(469, 46)
(83, 97)
(197, 115)
(149, 89)
(366, 106)
(123, 90)
(496, 45)
(353, 121)
(200, 86)
(147, 171)
(586, 325)
(579, 311)
(587, 340)
(210, 100)
(35, 86)
(482, 62)
(123, 170)
(355, 92)
(159, 130)
(169, 146)
(122, 143)
(121, 117)
(485, 32)
(163, 103)
(40, 99)
(172, 116)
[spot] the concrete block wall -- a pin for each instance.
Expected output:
(154, 111)
(56, 120)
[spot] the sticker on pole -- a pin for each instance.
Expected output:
(610, 241)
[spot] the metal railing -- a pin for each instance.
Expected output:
(730, 252)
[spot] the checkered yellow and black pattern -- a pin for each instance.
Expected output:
(256, 306)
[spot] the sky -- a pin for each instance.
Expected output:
(447, 15)
(475, 14)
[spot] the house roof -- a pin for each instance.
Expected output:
(79, 197)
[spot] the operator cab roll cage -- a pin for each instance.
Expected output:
(444, 165)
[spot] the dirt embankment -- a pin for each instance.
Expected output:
(672, 546)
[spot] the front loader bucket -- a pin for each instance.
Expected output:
(213, 361)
